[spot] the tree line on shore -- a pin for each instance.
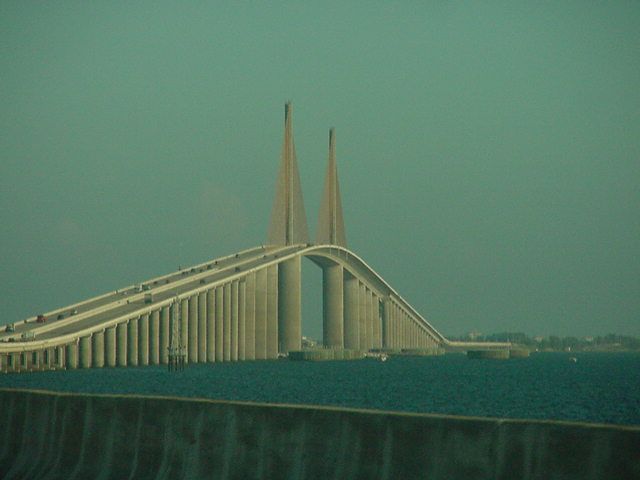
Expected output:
(609, 342)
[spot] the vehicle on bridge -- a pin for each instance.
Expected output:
(41, 319)
(28, 336)
(10, 328)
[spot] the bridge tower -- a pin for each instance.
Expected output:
(289, 227)
(288, 221)
(331, 221)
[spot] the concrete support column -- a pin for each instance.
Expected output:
(362, 317)
(202, 327)
(290, 305)
(71, 356)
(110, 347)
(261, 314)
(192, 348)
(211, 325)
(132, 343)
(84, 352)
(143, 340)
(227, 323)
(351, 312)
(272, 312)
(184, 325)
(234, 321)
(154, 338)
(97, 350)
(164, 334)
(375, 315)
(60, 362)
(333, 306)
(121, 344)
(219, 351)
(395, 327)
(242, 290)
(369, 319)
(386, 312)
(250, 317)
(405, 336)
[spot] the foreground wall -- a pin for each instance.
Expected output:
(53, 435)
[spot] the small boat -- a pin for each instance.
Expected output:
(383, 357)
(573, 359)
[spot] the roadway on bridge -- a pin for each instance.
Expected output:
(130, 299)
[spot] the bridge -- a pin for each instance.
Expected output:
(245, 306)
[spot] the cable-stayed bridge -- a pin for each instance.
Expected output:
(245, 306)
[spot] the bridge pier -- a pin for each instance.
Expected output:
(154, 338)
(333, 306)
(84, 352)
(163, 341)
(272, 312)
(250, 316)
(202, 327)
(211, 325)
(242, 334)
(362, 316)
(289, 305)
(97, 349)
(351, 312)
(192, 329)
(70, 355)
(227, 322)
(234, 321)
(132, 343)
(375, 312)
(184, 326)
(121, 344)
(386, 307)
(261, 314)
(143, 340)
(219, 350)
(110, 346)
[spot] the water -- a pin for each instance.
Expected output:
(600, 387)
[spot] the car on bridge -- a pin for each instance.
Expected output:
(10, 328)
(41, 319)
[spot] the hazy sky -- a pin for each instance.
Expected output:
(488, 152)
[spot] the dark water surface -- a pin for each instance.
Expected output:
(600, 387)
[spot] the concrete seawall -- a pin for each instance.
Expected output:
(56, 435)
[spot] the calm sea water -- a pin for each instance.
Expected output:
(600, 387)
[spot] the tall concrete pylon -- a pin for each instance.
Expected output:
(331, 221)
(288, 221)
